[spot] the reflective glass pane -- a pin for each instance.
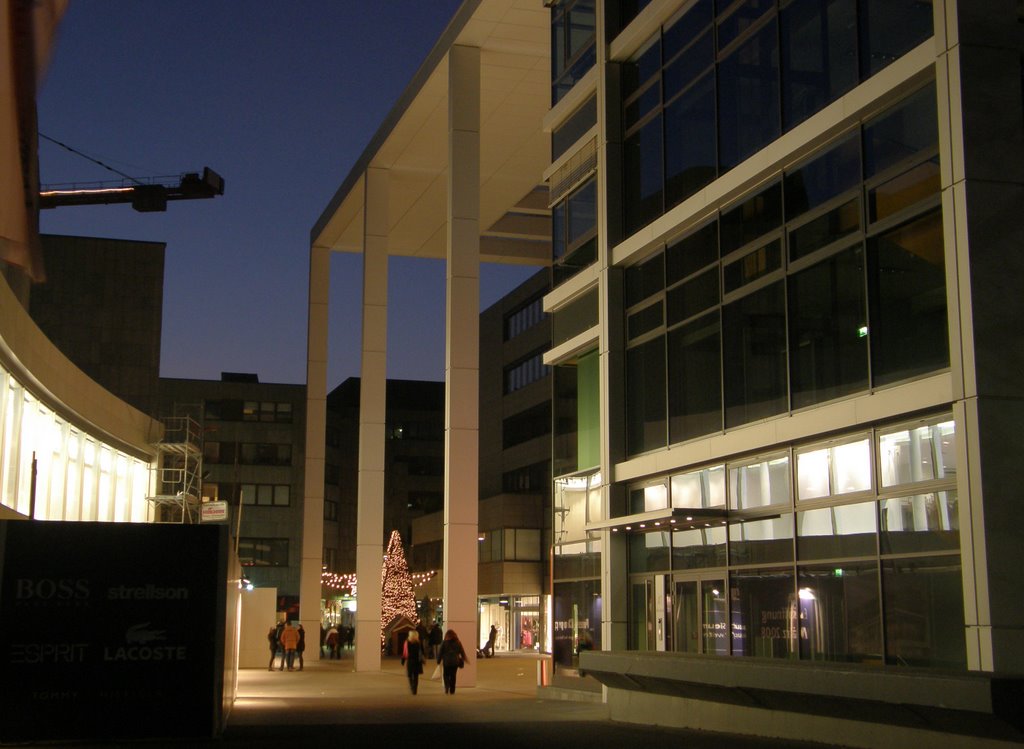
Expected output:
(690, 149)
(836, 532)
(760, 541)
(812, 474)
(909, 128)
(693, 297)
(752, 266)
(748, 97)
(742, 18)
(645, 397)
(688, 255)
(764, 613)
(753, 218)
(699, 489)
(851, 467)
(649, 552)
(759, 484)
(645, 279)
(840, 613)
(823, 178)
(828, 342)
(679, 33)
(643, 175)
(582, 211)
(699, 548)
(925, 522)
(819, 55)
(918, 454)
(924, 612)
(754, 356)
(825, 229)
(714, 611)
(901, 192)
(688, 66)
(891, 28)
(909, 334)
(694, 379)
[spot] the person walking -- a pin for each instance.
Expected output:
(452, 657)
(488, 648)
(412, 659)
(301, 647)
(289, 641)
(434, 639)
(272, 639)
(333, 648)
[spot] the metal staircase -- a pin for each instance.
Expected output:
(179, 470)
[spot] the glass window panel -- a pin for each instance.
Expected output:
(282, 495)
(924, 612)
(699, 489)
(834, 532)
(690, 254)
(248, 494)
(752, 266)
(649, 552)
(644, 103)
(693, 297)
(647, 498)
(819, 55)
(840, 613)
(689, 66)
(581, 25)
(828, 342)
(825, 229)
(748, 97)
(924, 522)
(264, 494)
(891, 28)
(582, 211)
(570, 131)
(753, 218)
(764, 613)
(754, 356)
(826, 176)
(909, 333)
(812, 474)
(690, 148)
(558, 231)
(851, 467)
(576, 608)
(746, 14)
(570, 509)
(698, 548)
(645, 320)
(917, 184)
(646, 426)
(694, 379)
(643, 175)
(761, 541)
(759, 484)
(906, 130)
(645, 280)
(681, 32)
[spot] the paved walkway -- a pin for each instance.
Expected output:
(328, 705)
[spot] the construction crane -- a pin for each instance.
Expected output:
(145, 197)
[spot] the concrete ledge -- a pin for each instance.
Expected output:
(961, 702)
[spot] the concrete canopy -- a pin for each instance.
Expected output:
(412, 144)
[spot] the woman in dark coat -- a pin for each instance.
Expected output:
(412, 659)
(452, 657)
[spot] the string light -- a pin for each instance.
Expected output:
(396, 598)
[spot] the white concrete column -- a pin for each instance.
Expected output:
(316, 425)
(462, 354)
(372, 390)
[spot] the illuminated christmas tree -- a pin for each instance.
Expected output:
(396, 586)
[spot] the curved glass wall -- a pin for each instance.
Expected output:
(77, 475)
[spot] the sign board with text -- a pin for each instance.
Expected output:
(111, 630)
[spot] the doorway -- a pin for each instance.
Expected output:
(700, 615)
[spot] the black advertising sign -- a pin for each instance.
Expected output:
(111, 630)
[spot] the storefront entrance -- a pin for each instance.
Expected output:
(684, 613)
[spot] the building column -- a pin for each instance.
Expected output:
(316, 427)
(978, 78)
(372, 407)
(462, 354)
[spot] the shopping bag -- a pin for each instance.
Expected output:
(437, 672)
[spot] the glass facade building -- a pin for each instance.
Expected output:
(775, 290)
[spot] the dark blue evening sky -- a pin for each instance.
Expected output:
(280, 98)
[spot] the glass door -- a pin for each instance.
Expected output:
(649, 611)
(700, 616)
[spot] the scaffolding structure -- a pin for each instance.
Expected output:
(179, 471)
